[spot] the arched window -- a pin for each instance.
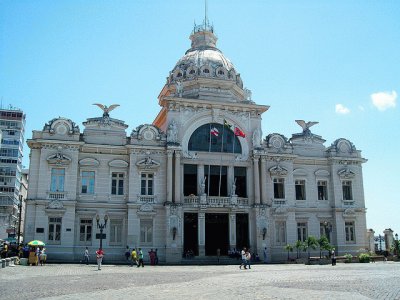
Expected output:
(214, 137)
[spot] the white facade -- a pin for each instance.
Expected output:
(175, 186)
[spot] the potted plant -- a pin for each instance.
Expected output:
(348, 258)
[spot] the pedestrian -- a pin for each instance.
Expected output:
(265, 255)
(140, 255)
(134, 257)
(333, 257)
(243, 263)
(86, 256)
(127, 253)
(248, 258)
(152, 257)
(99, 257)
(218, 254)
(156, 257)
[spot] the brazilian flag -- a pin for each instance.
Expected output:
(227, 125)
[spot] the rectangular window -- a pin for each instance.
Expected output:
(216, 180)
(87, 182)
(85, 230)
(189, 180)
(300, 189)
(347, 190)
(54, 230)
(350, 232)
(322, 190)
(116, 231)
(301, 231)
(147, 183)
(280, 230)
(241, 182)
(117, 183)
(146, 231)
(57, 180)
(325, 230)
(279, 188)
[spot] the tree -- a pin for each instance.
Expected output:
(323, 243)
(310, 242)
(298, 245)
(288, 248)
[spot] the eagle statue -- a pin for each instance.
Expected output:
(106, 109)
(306, 126)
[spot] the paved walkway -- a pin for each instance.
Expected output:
(344, 281)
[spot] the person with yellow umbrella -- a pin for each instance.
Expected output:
(34, 255)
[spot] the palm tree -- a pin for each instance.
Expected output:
(323, 243)
(310, 242)
(298, 245)
(288, 248)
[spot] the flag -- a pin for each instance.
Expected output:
(214, 131)
(227, 124)
(238, 132)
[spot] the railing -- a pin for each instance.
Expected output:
(147, 199)
(243, 201)
(279, 201)
(56, 195)
(191, 199)
(219, 201)
(348, 202)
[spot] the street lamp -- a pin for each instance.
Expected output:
(101, 226)
(19, 218)
(328, 229)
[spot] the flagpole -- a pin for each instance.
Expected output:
(220, 164)
(208, 175)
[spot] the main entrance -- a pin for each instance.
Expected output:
(217, 234)
(242, 231)
(190, 233)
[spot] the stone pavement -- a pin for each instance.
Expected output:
(344, 281)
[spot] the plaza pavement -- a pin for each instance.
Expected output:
(285, 281)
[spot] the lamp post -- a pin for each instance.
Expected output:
(328, 229)
(19, 218)
(101, 226)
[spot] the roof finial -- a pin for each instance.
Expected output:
(205, 14)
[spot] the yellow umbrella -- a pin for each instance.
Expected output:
(36, 243)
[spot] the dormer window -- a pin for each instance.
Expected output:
(220, 72)
(206, 71)
(192, 71)
(179, 74)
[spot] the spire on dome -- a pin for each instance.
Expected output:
(203, 35)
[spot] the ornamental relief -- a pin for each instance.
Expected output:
(62, 146)
(346, 173)
(278, 171)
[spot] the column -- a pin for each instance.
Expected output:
(264, 199)
(256, 180)
(232, 230)
(169, 175)
(231, 178)
(177, 177)
(131, 177)
(202, 233)
(200, 177)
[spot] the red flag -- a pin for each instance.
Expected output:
(214, 131)
(238, 132)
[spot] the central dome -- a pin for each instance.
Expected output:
(204, 60)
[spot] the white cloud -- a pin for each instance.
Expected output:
(384, 100)
(341, 109)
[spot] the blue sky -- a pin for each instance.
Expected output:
(336, 62)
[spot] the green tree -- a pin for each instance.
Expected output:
(323, 244)
(298, 245)
(310, 243)
(288, 248)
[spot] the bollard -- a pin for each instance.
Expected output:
(8, 261)
(3, 263)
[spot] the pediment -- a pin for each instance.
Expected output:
(300, 172)
(90, 162)
(148, 164)
(118, 163)
(346, 173)
(278, 171)
(322, 173)
(59, 159)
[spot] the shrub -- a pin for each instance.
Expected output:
(348, 257)
(364, 258)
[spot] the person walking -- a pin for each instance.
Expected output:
(127, 253)
(86, 256)
(99, 257)
(218, 254)
(140, 255)
(333, 257)
(134, 257)
(248, 258)
(243, 263)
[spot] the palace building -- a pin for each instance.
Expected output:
(200, 177)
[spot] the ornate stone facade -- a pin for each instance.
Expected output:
(201, 177)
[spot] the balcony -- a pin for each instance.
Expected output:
(56, 195)
(214, 201)
(348, 203)
(147, 199)
(279, 202)
(191, 199)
